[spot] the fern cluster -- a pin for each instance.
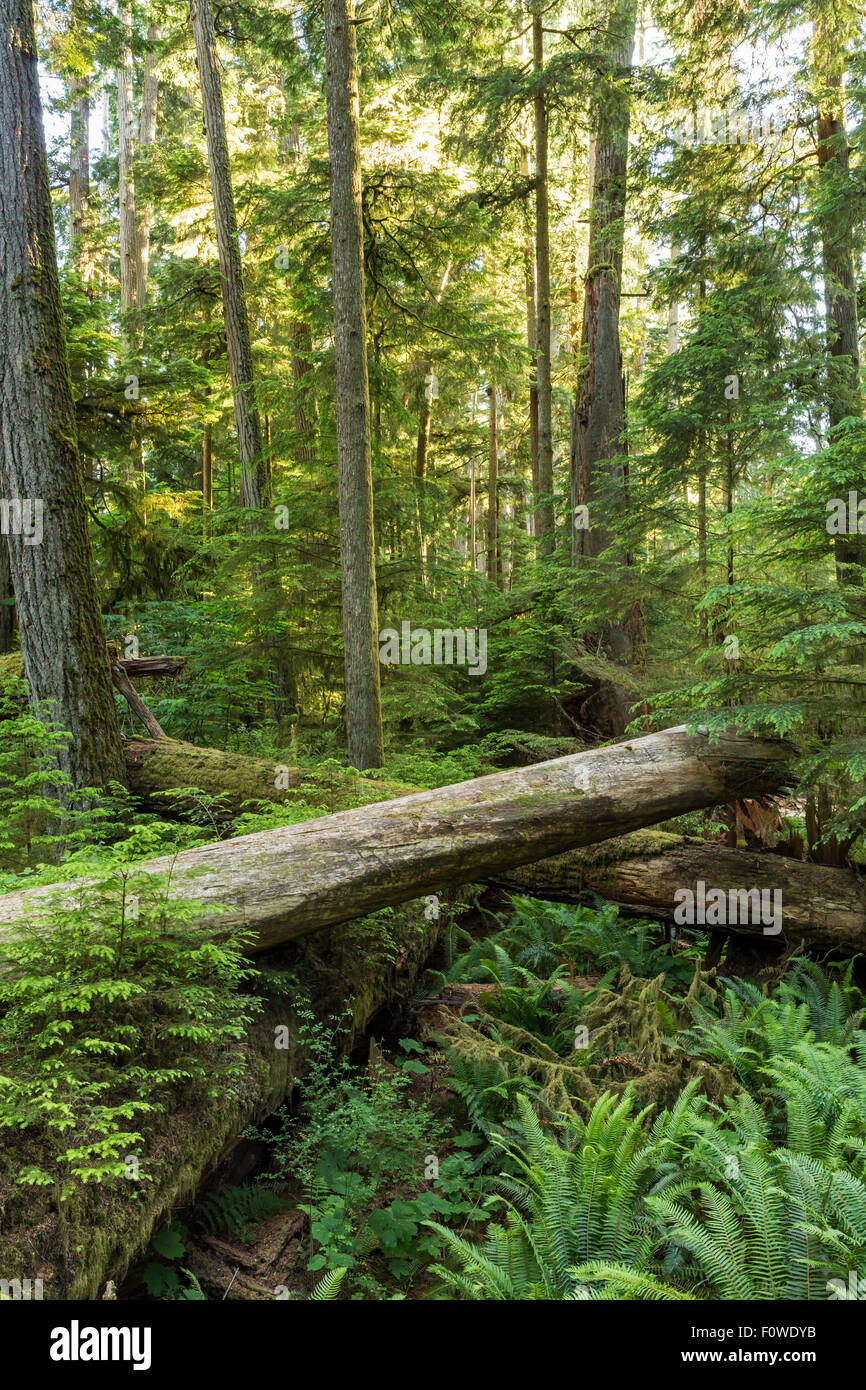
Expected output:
(751, 1184)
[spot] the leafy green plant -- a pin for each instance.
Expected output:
(107, 1002)
(577, 1197)
(368, 1155)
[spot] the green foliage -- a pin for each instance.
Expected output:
(231, 1210)
(573, 1201)
(539, 937)
(760, 1195)
(109, 1002)
(374, 1162)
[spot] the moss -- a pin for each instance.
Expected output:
(633, 1030)
(567, 870)
(11, 668)
(236, 778)
(75, 1248)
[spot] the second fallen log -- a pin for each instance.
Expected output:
(646, 873)
(295, 879)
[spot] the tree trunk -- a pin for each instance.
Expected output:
(62, 641)
(186, 1141)
(492, 488)
(599, 416)
(643, 872)
(299, 878)
(673, 312)
(79, 178)
(304, 401)
(128, 233)
(7, 600)
(354, 459)
(544, 513)
(146, 139)
(154, 767)
(600, 411)
(126, 175)
(253, 473)
(838, 201)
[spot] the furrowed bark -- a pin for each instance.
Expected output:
(352, 402)
(642, 872)
(283, 883)
(7, 601)
(599, 482)
(62, 641)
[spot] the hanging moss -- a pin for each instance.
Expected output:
(632, 1030)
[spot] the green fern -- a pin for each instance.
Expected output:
(233, 1210)
(328, 1287)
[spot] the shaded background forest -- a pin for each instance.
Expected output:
(660, 544)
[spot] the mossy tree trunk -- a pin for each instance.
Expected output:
(76, 1246)
(643, 872)
(599, 415)
(62, 640)
(352, 403)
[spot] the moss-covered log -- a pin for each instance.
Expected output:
(76, 1246)
(156, 766)
(644, 871)
(284, 882)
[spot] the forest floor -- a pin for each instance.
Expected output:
(340, 1178)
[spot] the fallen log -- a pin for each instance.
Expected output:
(122, 683)
(644, 872)
(282, 883)
(77, 1245)
(157, 766)
(12, 667)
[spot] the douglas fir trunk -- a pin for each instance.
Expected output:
(62, 642)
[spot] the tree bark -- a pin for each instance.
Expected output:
(284, 883)
(643, 872)
(492, 489)
(600, 410)
(354, 458)
(126, 175)
(304, 400)
(599, 415)
(7, 600)
(79, 177)
(62, 641)
(544, 512)
(838, 203)
(154, 767)
(187, 1141)
(207, 468)
(146, 139)
(128, 232)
